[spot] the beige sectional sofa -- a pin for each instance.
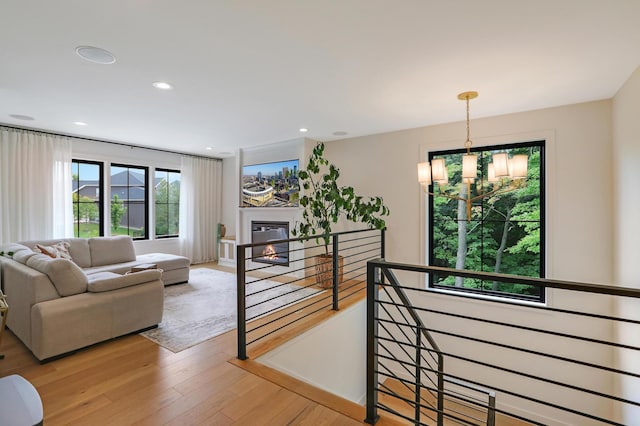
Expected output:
(57, 305)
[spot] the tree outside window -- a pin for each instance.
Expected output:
(167, 203)
(129, 201)
(505, 233)
(87, 199)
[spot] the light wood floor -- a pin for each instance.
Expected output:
(131, 380)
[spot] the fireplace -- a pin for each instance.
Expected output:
(264, 232)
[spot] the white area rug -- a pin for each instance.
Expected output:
(206, 306)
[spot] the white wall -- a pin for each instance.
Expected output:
(230, 183)
(329, 356)
(626, 189)
(579, 225)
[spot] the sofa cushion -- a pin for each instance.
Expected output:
(66, 276)
(23, 255)
(79, 251)
(107, 281)
(166, 262)
(12, 248)
(109, 250)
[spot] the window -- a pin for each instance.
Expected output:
(87, 198)
(505, 233)
(167, 202)
(129, 201)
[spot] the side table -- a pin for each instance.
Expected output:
(4, 311)
(227, 251)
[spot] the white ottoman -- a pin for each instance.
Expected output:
(20, 404)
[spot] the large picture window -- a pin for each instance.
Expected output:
(505, 233)
(167, 202)
(129, 201)
(87, 193)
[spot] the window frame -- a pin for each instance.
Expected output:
(541, 144)
(146, 196)
(155, 204)
(100, 165)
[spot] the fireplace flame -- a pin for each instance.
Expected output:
(269, 252)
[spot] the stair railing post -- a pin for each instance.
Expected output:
(372, 344)
(335, 272)
(417, 411)
(242, 313)
(440, 389)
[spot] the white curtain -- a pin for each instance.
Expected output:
(35, 186)
(200, 207)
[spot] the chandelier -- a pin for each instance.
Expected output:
(504, 173)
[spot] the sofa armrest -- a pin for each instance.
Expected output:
(24, 287)
(107, 281)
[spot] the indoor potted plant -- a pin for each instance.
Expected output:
(324, 202)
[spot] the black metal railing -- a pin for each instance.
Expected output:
(435, 356)
(272, 297)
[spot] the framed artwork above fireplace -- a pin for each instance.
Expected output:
(271, 184)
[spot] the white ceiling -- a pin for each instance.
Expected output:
(250, 72)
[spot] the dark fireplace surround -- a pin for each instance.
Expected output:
(265, 231)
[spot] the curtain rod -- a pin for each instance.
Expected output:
(66, 135)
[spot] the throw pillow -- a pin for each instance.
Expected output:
(58, 250)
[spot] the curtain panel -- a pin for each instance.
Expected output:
(35, 186)
(200, 207)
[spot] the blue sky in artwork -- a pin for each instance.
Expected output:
(269, 169)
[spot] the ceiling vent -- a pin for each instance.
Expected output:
(95, 55)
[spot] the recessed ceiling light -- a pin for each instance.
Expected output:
(208, 148)
(340, 133)
(162, 85)
(303, 130)
(95, 55)
(21, 117)
(80, 123)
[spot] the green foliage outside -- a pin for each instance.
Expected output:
(117, 211)
(167, 198)
(502, 236)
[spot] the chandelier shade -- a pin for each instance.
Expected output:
(501, 164)
(469, 166)
(439, 173)
(518, 166)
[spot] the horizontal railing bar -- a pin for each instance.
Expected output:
(515, 348)
(520, 327)
(275, 297)
(471, 403)
(347, 256)
(539, 282)
(538, 353)
(295, 312)
(541, 402)
(312, 237)
(402, 363)
(414, 316)
(510, 302)
(406, 386)
(279, 284)
(406, 336)
(283, 273)
(435, 410)
(342, 249)
(502, 411)
(373, 235)
(289, 323)
(293, 302)
(396, 413)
